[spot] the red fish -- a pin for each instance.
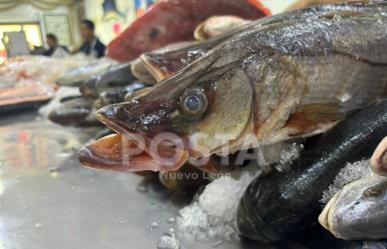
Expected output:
(171, 21)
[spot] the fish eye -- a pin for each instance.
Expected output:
(194, 103)
(373, 192)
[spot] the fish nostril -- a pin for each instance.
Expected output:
(107, 112)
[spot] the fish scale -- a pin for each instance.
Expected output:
(281, 78)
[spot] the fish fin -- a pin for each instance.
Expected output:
(312, 118)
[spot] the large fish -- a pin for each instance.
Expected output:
(281, 204)
(358, 211)
(77, 76)
(278, 81)
(171, 21)
(163, 63)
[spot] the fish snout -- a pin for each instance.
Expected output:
(126, 118)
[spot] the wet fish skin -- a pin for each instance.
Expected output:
(167, 61)
(77, 76)
(282, 204)
(358, 211)
(367, 245)
(117, 76)
(117, 94)
(74, 112)
(285, 61)
(271, 82)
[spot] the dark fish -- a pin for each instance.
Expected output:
(285, 203)
(280, 81)
(116, 95)
(172, 21)
(77, 76)
(74, 112)
(117, 76)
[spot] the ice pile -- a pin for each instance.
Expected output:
(213, 214)
(351, 172)
(168, 242)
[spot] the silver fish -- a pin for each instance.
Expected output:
(77, 76)
(358, 211)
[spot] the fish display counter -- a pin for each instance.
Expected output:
(210, 124)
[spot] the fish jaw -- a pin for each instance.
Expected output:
(160, 150)
(357, 212)
(119, 153)
(379, 159)
(325, 217)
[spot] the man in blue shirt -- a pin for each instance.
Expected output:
(91, 46)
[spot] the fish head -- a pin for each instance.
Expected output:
(358, 211)
(205, 106)
(188, 105)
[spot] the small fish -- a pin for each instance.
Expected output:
(74, 112)
(276, 82)
(172, 21)
(281, 204)
(358, 211)
(77, 76)
(117, 94)
(117, 76)
(379, 158)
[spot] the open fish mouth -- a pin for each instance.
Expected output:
(133, 152)
(120, 153)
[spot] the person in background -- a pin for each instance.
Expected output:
(91, 46)
(54, 49)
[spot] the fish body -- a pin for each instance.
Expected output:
(74, 112)
(276, 82)
(117, 94)
(77, 76)
(171, 21)
(358, 211)
(117, 76)
(281, 204)
(163, 63)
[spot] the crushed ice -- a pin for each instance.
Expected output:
(351, 172)
(213, 214)
(168, 242)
